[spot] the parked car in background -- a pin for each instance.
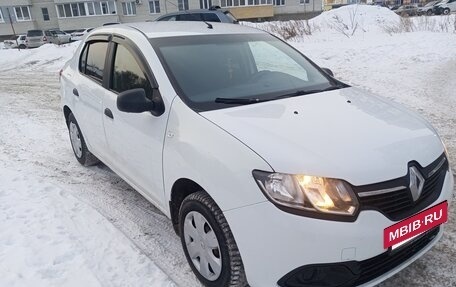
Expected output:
(78, 34)
(57, 37)
(111, 23)
(16, 42)
(272, 171)
(427, 9)
(35, 38)
(407, 10)
(213, 14)
(445, 7)
(395, 7)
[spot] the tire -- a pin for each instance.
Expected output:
(446, 11)
(213, 239)
(82, 154)
(22, 46)
(429, 12)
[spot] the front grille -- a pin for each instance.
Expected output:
(355, 273)
(399, 204)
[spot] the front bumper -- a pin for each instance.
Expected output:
(272, 243)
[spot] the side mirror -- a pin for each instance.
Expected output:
(328, 71)
(134, 101)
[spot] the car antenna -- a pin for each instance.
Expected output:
(209, 25)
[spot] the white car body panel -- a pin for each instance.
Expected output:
(362, 142)
(199, 150)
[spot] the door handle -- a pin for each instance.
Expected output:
(108, 113)
(75, 92)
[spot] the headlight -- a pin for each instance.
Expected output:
(311, 193)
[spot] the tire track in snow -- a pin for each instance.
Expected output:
(30, 115)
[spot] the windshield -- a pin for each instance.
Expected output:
(34, 33)
(218, 71)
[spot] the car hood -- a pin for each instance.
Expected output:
(349, 134)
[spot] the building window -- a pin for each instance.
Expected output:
(302, 2)
(45, 13)
(129, 8)
(236, 3)
(154, 7)
(205, 4)
(80, 9)
(2, 20)
(279, 2)
(75, 9)
(182, 5)
(22, 13)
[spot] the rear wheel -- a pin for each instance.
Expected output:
(208, 243)
(82, 154)
(429, 12)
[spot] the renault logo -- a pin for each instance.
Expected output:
(416, 183)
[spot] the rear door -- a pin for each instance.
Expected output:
(135, 140)
(88, 93)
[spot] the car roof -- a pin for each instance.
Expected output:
(179, 28)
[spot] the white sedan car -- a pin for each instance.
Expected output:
(58, 37)
(273, 172)
(16, 42)
(79, 34)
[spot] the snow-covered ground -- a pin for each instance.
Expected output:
(66, 225)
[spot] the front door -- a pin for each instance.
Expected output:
(135, 140)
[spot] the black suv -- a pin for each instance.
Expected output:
(213, 14)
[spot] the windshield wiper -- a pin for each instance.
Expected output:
(306, 92)
(247, 101)
(238, 101)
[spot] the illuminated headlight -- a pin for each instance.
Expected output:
(305, 192)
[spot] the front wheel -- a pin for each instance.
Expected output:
(429, 12)
(208, 243)
(446, 11)
(82, 154)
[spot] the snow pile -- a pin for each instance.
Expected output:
(47, 57)
(357, 19)
(353, 18)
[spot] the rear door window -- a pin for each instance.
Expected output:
(92, 61)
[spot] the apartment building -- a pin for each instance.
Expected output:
(67, 15)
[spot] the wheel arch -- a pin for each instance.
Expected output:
(66, 113)
(181, 188)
